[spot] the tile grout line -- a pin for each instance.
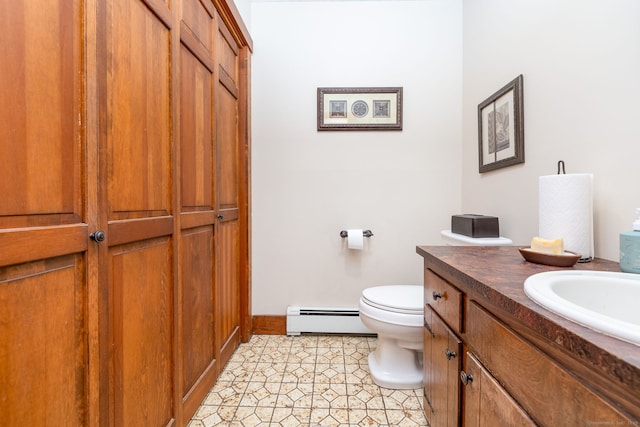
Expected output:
(308, 409)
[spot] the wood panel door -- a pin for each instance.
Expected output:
(111, 313)
(45, 299)
(227, 200)
(198, 355)
(138, 265)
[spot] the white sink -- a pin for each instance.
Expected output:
(607, 302)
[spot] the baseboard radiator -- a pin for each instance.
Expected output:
(324, 320)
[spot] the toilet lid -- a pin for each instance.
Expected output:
(399, 299)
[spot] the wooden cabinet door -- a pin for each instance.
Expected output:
(44, 292)
(137, 275)
(427, 363)
(442, 366)
(198, 341)
(116, 122)
(228, 314)
(487, 404)
(532, 377)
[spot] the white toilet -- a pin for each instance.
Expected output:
(396, 314)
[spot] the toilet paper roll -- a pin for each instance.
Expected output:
(355, 239)
(566, 210)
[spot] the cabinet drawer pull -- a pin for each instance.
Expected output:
(450, 354)
(436, 295)
(465, 378)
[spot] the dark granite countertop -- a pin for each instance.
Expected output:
(494, 276)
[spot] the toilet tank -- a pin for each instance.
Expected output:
(454, 239)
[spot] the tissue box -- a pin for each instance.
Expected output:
(475, 225)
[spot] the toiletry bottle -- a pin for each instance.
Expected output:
(630, 248)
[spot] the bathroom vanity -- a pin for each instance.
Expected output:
(494, 357)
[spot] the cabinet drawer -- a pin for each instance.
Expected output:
(549, 394)
(444, 298)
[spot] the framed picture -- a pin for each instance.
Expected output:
(501, 128)
(359, 108)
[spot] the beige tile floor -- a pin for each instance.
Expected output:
(276, 380)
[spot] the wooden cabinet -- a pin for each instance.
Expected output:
(227, 185)
(442, 351)
(495, 376)
(486, 401)
(444, 298)
(442, 365)
(546, 391)
(46, 294)
(124, 212)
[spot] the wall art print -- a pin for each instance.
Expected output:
(359, 108)
(501, 128)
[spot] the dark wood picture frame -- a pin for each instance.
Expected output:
(501, 128)
(359, 108)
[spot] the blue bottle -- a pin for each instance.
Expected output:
(630, 248)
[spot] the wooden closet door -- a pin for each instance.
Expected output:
(44, 295)
(197, 210)
(228, 313)
(136, 200)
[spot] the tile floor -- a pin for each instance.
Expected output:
(276, 380)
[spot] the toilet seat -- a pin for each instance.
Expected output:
(404, 299)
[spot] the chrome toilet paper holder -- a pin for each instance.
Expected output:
(365, 233)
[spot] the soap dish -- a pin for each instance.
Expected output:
(567, 259)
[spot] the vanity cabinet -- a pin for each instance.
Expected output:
(543, 388)
(442, 351)
(484, 366)
(486, 402)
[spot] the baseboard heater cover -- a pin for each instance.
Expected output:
(325, 320)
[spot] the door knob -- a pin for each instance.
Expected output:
(450, 354)
(220, 216)
(98, 236)
(436, 295)
(465, 378)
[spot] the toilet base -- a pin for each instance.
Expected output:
(395, 367)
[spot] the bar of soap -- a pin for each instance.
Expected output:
(553, 247)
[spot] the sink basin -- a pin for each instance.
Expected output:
(607, 302)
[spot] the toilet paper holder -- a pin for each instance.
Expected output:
(365, 233)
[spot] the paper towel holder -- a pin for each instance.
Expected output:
(365, 233)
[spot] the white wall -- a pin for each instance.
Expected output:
(581, 67)
(309, 185)
(244, 8)
(580, 61)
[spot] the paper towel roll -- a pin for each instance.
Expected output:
(355, 239)
(565, 204)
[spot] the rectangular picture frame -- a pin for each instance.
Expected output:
(359, 108)
(501, 128)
